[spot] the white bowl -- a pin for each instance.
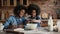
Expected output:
(32, 26)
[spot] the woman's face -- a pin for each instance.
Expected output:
(22, 12)
(33, 12)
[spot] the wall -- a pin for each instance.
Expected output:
(47, 6)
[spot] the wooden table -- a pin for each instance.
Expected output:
(11, 32)
(41, 30)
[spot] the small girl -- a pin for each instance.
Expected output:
(34, 12)
(18, 19)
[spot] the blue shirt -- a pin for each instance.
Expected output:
(13, 20)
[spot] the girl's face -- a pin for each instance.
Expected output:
(33, 13)
(22, 12)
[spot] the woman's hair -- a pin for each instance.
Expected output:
(33, 7)
(18, 8)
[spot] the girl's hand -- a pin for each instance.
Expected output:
(28, 21)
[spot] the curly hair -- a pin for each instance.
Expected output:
(33, 7)
(18, 8)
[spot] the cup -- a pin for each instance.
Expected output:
(1, 26)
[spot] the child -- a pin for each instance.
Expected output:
(18, 19)
(34, 12)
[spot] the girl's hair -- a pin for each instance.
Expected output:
(33, 7)
(18, 8)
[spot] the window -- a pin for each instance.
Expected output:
(18, 2)
(0, 3)
(11, 2)
(4, 2)
(24, 2)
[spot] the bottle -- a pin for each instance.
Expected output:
(50, 23)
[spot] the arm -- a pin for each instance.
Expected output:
(6, 23)
(38, 19)
(23, 23)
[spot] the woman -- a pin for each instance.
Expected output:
(34, 11)
(18, 19)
